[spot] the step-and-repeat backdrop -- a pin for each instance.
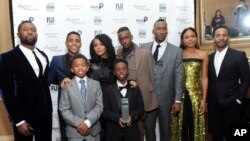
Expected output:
(55, 18)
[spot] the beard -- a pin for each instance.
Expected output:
(26, 41)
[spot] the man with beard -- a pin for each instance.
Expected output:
(168, 76)
(60, 68)
(25, 88)
(228, 72)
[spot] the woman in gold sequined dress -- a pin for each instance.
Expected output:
(189, 125)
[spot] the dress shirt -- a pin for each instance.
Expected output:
(31, 58)
(161, 52)
(86, 121)
(219, 56)
(161, 49)
(123, 91)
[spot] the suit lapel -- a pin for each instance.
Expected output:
(25, 63)
(77, 90)
(225, 61)
(166, 57)
(212, 65)
(137, 57)
(117, 95)
(47, 61)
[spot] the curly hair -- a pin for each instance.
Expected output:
(107, 42)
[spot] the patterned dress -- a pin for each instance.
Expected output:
(188, 125)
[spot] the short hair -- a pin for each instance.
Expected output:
(23, 22)
(221, 26)
(73, 32)
(77, 56)
(120, 60)
(123, 29)
(159, 20)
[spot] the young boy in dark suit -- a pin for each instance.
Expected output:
(117, 129)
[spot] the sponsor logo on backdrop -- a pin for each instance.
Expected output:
(53, 48)
(183, 8)
(183, 20)
(142, 33)
(142, 7)
(74, 7)
(25, 6)
(97, 7)
(120, 20)
(142, 20)
(97, 20)
(164, 18)
(50, 20)
(74, 20)
(119, 6)
(96, 32)
(50, 7)
(51, 35)
(162, 7)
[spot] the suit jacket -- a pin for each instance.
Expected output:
(59, 69)
(26, 96)
(232, 81)
(74, 110)
(171, 74)
(144, 76)
(112, 110)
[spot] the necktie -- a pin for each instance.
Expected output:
(155, 55)
(39, 65)
(123, 87)
(83, 89)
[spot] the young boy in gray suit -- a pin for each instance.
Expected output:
(81, 104)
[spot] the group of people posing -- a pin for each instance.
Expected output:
(158, 80)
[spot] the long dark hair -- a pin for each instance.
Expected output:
(215, 14)
(182, 36)
(107, 42)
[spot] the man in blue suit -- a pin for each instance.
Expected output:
(60, 68)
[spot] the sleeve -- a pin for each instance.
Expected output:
(8, 85)
(108, 113)
(52, 79)
(65, 110)
(179, 85)
(137, 114)
(244, 75)
(94, 114)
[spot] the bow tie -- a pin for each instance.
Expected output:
(123, 87)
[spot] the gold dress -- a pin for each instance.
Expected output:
(188, 125)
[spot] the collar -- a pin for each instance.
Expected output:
(163, 44)
(24, 49)
(221, 52)
(120, 84)
(78, 79)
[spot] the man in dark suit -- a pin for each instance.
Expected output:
(116, 129)
(60, 68)
(228, 83)
(25, 88)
